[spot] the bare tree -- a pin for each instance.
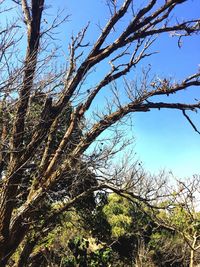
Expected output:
(46, 139)
(182, 219)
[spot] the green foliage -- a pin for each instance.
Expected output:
(118, 214)
(101, 258)
(78, 247)
(168, 249)
(177, 235)
(95, 221)
(115, 232)
(84, 257)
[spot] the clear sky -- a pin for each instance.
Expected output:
(164, 139)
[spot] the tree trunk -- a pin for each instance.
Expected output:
(8, 246)
(26, 252)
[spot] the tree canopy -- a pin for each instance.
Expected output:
(57, 149)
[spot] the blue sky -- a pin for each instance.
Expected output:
(164, 139)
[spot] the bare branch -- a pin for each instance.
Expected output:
(26, 12)
(188, 118)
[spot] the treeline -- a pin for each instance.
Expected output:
(119, 231)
